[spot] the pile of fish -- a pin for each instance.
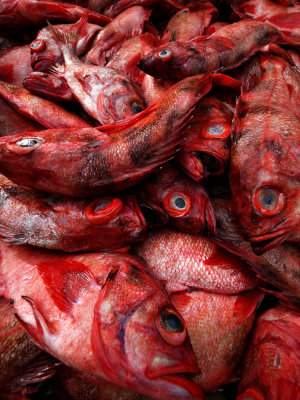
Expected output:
(150, 199)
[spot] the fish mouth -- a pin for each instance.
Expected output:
(180, 376)
(261, 244)
(213, 164)
(150, 214)
(43, 65)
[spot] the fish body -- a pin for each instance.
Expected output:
(271, 368)
(224, 49)
(93, 312)
(23, 13)
(108, 40)
(279, 266)
(104, 159)
(262, 9)
(120, 6)
(264, 173)
(45, 112)
(186, 202)
(190, 22)
(206, 150)
(11, 70)
(214, 291)
(53, 222)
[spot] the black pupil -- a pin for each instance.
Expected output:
(180, 202)
(137, 108)
(268, 199)
(173, 321)
(163, 53)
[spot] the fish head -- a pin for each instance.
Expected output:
(167, 61)
(119, 102)
(266, 196)
(44, 51)
(139, 339)
(47, 85)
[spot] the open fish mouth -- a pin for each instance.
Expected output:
(261, 244)
(151, 216)
(212, 163)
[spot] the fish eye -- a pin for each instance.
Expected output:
(171, 326)
(37, 45)
(165, 54)
(268, 201)
(137, 107)
(177, 204)
(217, 131)
(28, 142)
(103, 210)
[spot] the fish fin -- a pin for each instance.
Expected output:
(181, 300)
(57, 69)
(124, 249)
(132, 70)
(225, 80)
(64, 41)
(10, 236)
(55, 10)
(110, 129)
(248, 303)
(80, 25)
(41, 330)
(225, 260)
(66, 281)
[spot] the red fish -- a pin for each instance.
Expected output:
(21, 363)
(120, 6)
(264, 173)
(186, 202)
(104, 159)
(214, 291)
(19, 14)
(104, 315)
(224, 49)
(73, 225)
(271, 368)
(48, 86)
(106, 94)
(45, 112)
(215, 27)
(127, 24)
(190, 22)
(12, 122)
(45, 53)
(206, 150)
(279, 266)
(11, 70)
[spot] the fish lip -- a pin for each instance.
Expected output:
(261, 244)
(145, 209)
(218, 158)
(191, 387)
(38, 65)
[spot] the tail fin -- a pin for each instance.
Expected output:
(288, 26)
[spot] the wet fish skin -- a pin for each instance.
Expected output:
(271, 368)
(105, 159)
(100, 304)
(73, 225)
(267, 124)
(11, 70)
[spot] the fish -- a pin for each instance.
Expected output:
(45, 112)
(215, 292)
(128, 24)
(104, 159)
(278, 266)
(73, 225)
(222, 50)
(271, 368)
(93, 311)
(212, 28)
(186, 202)
(48, 86)
(22, 362)
(116, 8)
(190, 22)
(11, 70)
(104, 93)
(265, 153)
(20, 14)
(45, 53)
(11, 122)
(206, 150)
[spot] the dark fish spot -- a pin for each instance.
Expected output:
(193, 50)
